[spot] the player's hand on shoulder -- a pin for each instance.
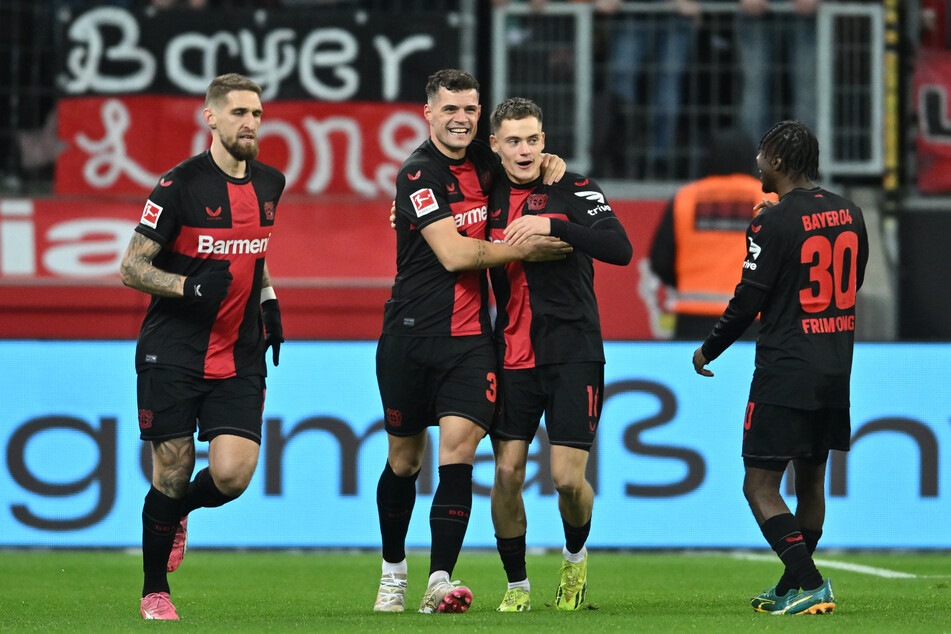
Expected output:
(764, 204)
(544, 249)
(525, 227)
(553, 168)
(699, 361)
(209, 286)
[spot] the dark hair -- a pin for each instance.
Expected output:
(796, 144)
(514, 108)
(220, 86)
(451, 79)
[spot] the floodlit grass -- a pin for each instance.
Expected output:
(227, 591)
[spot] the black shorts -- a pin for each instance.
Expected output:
(569, 394)
(773, 435)
(423, 379)
(172, 404)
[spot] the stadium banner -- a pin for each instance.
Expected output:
(932, 94)
(666, 466)
(333, 262)
(123, 145)
(295, 53)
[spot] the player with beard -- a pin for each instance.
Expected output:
(435, 359)
(551, 353)
(806, 260)
(199, 251)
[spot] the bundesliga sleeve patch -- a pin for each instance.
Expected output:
(150, 215)
(423, 202)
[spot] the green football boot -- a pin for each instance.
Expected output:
(818, 601)
(769, 601)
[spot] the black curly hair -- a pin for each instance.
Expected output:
(796, 145)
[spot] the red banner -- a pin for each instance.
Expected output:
(932, 94)
(332, 262)
(348, 243)
(122, 145)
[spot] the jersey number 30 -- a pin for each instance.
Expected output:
(827, 271)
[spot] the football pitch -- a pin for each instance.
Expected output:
(333, 591)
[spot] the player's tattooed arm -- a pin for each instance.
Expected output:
(457, 252)
(138, 272)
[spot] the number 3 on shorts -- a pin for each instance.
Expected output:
(491, 392)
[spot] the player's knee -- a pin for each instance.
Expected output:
(404, 465)
(509, 476)
(756, 492)
(750, 490)
(810, 495)
(570, 485)
(233, 483)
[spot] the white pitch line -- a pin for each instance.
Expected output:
(839, 565)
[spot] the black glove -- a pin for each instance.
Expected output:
(211, 286)
(273, 332)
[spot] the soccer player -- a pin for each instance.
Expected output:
(435, 359)
(806, 259)
(199, 250)
(550, 350)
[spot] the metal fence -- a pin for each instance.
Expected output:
(637, 94)
(27, 95)
(634, 95)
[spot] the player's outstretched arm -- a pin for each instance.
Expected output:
(606, 241)
(460, 253)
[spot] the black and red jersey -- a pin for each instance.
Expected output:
(205, 219)
(809, 254)
(547, 311)
(427, 300)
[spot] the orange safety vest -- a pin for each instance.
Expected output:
(710, 220)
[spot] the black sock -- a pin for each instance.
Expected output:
(449, 516)
(512, 552)
(575, 536)
(160, 517)
(395, 498)
(203, 493)
(783, 534)
(787, 582)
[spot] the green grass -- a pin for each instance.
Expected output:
(334, 592)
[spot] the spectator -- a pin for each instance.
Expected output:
(766, 39)
(660, 47)
(700, 241)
